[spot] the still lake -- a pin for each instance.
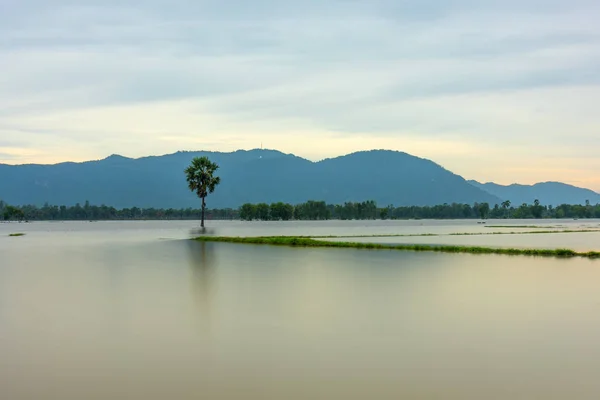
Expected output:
(135, 310)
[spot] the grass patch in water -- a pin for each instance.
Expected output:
(522, 226)
(523, 233)
(16, 234)
(447, 234)
(294, 241)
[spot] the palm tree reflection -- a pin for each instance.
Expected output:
(203, 272)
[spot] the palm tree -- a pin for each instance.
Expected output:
(506, 205)
(537, 210)
(201, 179)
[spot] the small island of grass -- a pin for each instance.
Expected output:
(16, 234)
(294, 241)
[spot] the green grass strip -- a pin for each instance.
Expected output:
(448, 234)
(293, 241)
(531, 226)
(521, 226)
(525, 233)
(16, 234)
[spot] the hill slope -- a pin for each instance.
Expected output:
(551, 193)
(387, 177)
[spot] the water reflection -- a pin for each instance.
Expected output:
(123, 314)
(195, 232)
(202, 263)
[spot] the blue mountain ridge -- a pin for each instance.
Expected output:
(388, 177)
(549, 193)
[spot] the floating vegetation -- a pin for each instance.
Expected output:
(296, 241)
(16, 234)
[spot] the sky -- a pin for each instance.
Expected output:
(505, 91)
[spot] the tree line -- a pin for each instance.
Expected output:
(310, 210)
(319, 210)
(85, 212)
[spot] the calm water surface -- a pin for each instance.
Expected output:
(137, 311)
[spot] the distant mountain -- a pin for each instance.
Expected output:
(388, 177)
(550, 193)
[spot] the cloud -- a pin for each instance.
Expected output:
(491, 80)
(7, 156)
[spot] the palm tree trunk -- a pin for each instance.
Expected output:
(203, 207)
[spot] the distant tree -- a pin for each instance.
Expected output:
(11, 212)
(506, 205)
(201, 179)
(299, 212)
(384, 213)
(281, 211)
(588, 210)
(524, 211)
(263, 212)
(537, 210)
(276, 211)
(248, 212)
(484, 210)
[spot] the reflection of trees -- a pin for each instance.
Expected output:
(202, 265)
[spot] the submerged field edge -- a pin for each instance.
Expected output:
(531, 226)
(451, 234)
(295, 241)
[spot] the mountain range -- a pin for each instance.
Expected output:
(550, 193)
(388, 177)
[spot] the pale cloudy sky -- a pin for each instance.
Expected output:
(503, 90)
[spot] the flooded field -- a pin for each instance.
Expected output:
(135, 310)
